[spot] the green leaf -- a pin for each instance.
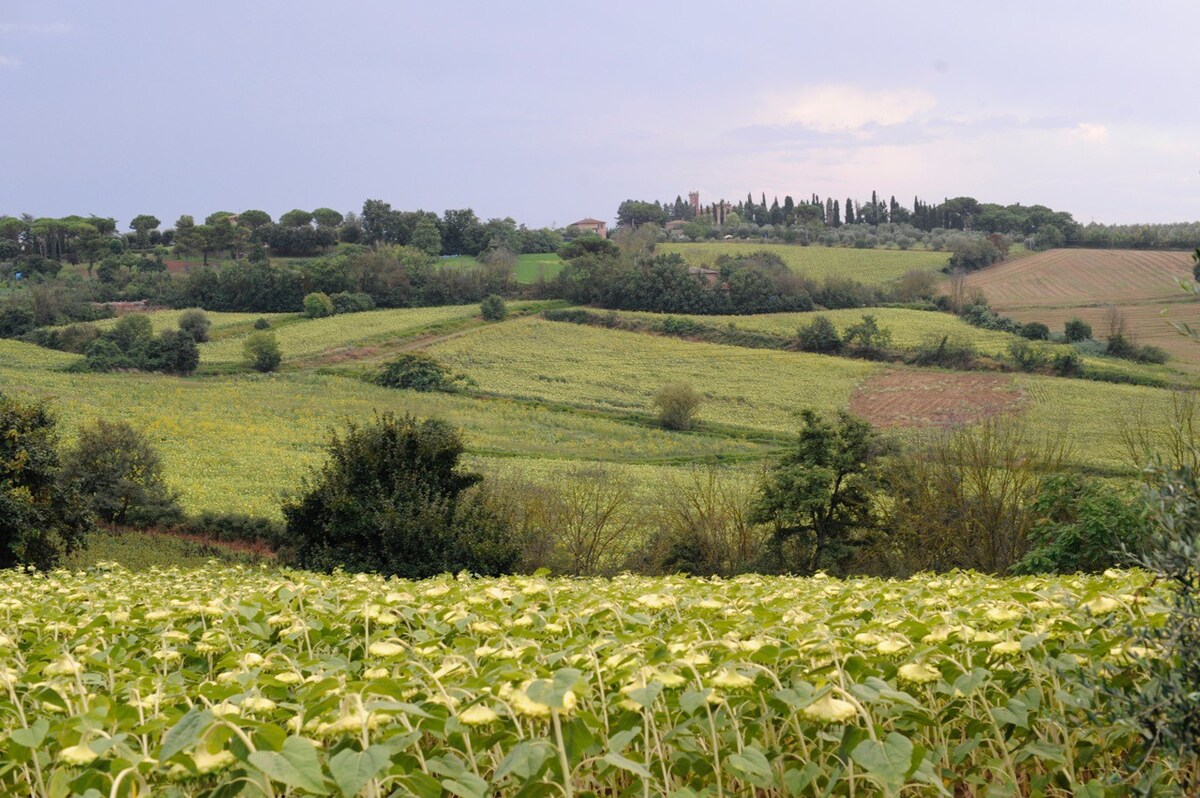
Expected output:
(297, 765)
(751, 765)
(618, 761)
(185, 733)
(888, 763)
(525, 760)
(33, 736)
(646, 696)
(467, 785)
(351, 770)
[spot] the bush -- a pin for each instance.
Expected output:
(235, 528)
(1026, 357)
(1067, 364)
(415, 371)
(1035, 331)
(346, 302)
(1082, 525)
(43, 517)
(945, 351)
(1151, 354)
(1077, 330)
(318, 305)
(262, 352)
(195, 323)
(177, 353)
(677, 404)
(868, 337)
(819, 335)
(391, 500)
(262, 324)
(119, 471)
(493, 308)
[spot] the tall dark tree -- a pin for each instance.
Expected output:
(43, 517)
(821, 496)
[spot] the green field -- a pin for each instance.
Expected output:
(231, 679)
(621, 371)
(310, 337)
(872, 266)
(547, 397)
(235, 443)
(529, 268)
(221, 322)
(909, 328)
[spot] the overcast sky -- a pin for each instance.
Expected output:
(551, 111)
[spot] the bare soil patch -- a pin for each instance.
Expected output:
(934, 398)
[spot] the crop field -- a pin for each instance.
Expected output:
(621, 371)
(314, 336)
(163, 320)
(912, 328)
(529, 268)
(1056, 286)
(222, 678)
(871, 266)
(236, 443)
(909, 328)
(1082, 277)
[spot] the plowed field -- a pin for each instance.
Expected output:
(934, 398)
(1083, 277)
(1062, 284)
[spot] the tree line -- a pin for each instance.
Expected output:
(806, 219)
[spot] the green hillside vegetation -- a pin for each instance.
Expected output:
(528, 269)
(235, 443)
(871, 266)
(620, 371)
(912, 330)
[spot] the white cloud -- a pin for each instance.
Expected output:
(9, 61)
(1090, 131)
(840, 108)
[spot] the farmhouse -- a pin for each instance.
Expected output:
(594, 225)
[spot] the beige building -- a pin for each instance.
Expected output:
(594, 225)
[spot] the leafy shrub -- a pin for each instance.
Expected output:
(318, 305)
(195, 323)
(415, 371)
(1077, 330)
(346, 302)
(819, 335)
(1165, 705)
(1027, 357)
(1082, 525)
(262, 324)
(493, 308)
(119, 471)
(1067, 364)
(177, 353)
(945, 350)
(262, 352)
(1035, 331)
(677, 404)
(868, 337)
(43, 517)
(237, 528)
(390, 499)
(1151, 354)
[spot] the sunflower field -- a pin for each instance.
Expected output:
(239, 680)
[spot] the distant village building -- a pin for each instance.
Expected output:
(594, 225)
(715, 213)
